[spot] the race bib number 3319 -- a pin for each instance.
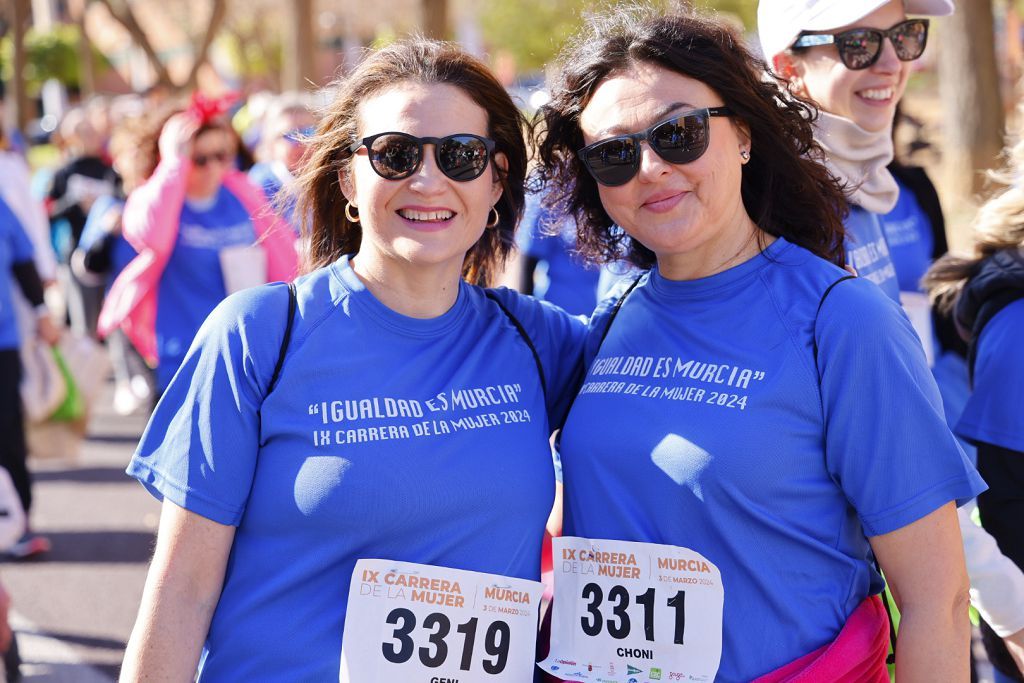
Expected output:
(415, 622)
(634, 612)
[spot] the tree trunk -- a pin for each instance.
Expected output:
(86, 64)
(123, 14)
(217, 14)
(971, 104)
(19, 14)
(299, 48)
(435, 18)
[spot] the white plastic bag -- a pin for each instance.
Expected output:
(88, 363)
(42, 384)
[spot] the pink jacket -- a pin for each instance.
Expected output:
(151, 219)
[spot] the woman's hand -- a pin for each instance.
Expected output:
(176, 136)
(47, 330)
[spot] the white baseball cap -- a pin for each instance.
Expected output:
(779, 22)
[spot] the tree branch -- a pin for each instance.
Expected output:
(123, 15)
(217, 14)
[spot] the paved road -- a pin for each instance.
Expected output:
(75, 608)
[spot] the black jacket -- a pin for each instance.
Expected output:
(998, 282)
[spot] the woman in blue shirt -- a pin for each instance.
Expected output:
(739, 402)
(984, 292)
(853, 59)
(410, 420)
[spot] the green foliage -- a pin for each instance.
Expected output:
(744, 10)
(251, 59)
(533, 31)
(53, 54)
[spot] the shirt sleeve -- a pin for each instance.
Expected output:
(558, 338)
(21, 246)
(886, 440)
(995, 411)
(200, 448)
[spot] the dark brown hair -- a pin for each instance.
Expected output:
(320, 200)
(785, 190)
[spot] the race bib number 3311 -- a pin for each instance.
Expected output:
(415, 622)
(634, 612)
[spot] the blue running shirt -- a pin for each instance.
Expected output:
(386, 437)
(908, 233)
(192, 284)
(15, 247)
(702, 423)
(994, 412)
(868, 252)
(570, 283)
(268, 174)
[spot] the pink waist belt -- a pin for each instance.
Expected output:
(857, 655)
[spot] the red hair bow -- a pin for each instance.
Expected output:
(205, 109)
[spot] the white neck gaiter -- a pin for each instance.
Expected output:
(859, 159)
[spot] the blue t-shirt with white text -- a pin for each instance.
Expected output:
(868, 252)
(417, 440)
(908, 232)
(192, 283)
(702, 423)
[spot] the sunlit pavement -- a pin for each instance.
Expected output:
(74, 607)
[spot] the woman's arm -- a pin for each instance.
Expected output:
(924, 566)
(182, 590)
(153, 209)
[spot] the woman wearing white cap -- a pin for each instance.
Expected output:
(853, 59)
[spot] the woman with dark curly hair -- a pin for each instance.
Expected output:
(741, 436)
(387, 411)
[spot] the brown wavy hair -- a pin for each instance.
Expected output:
(320, 200)
(785, 190)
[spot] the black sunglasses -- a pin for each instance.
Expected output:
(201, 160)
(462, 157)
(859, 48)
(678, 140)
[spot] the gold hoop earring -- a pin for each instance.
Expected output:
(493, 223)
(348, 212)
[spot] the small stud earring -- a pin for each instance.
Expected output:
(745, 154)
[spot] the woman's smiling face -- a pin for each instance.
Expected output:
(427, 218)
(672, 209)
(868, 96)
